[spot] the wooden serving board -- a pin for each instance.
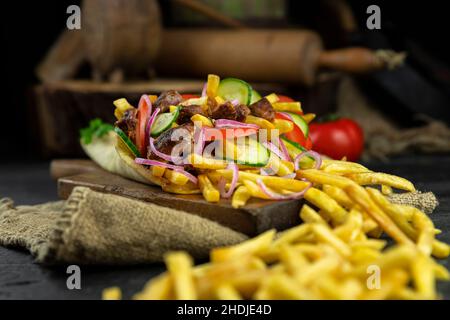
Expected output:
(257, 216)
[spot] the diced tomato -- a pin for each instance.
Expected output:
(188, 96)
(212, 134)
(296, 134)
(284, 98)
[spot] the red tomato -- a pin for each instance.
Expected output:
(338, 138)
(295, 135)
(143, 114)
(222, 134)
(284, 98)
(188, 96)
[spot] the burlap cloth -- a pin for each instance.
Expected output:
(95, 228)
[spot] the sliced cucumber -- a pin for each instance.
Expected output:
(294, 149)
(128, 143)
(246, 151)
(255, 97)
(300, 122)
(164, 121)
(231, 88)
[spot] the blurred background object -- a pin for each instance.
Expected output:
(319, 52)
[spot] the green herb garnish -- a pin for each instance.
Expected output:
(97, 128)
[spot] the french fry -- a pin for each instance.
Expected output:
(254, 190)
(395, 212)
(423, 276)
(308, 117)
(276, 183)
(425, 229)
(281, 168)
(227, 292)
(240, 197)
(204, 121)
(339, 195)
(321, 178)
(292, 259)
(200, 162)
(219, 100)
(349, 230)
(272, 98)
(188, 188)
(343, 167)
(262, 123)
(309, 215)
(280, 287)
(382, 179)
(249, 247)
(158, 171)
(179, 265)
(212, 85)
(317, 269)
(283, 126)
(324, 234)
(361, 197)
(292, 235)
(210, 193)
(113, 293)
(323, 201)
(121, 105)
(159, 288)
(176, 177)
(287, 106)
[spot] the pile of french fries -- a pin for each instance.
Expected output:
(336, 253)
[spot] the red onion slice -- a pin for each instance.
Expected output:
(273, 148)
(290, 176)
(199, 141)
(313, 154)
(266, 172)
(276, 196)
(235, 102)
(204, 91)
(288, 116)
(221, 185)
(284, 150)
(225, 123)
(148, 162)
(159, 154)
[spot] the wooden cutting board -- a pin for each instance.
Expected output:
(257, 216)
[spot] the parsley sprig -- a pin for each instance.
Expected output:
(97, 128)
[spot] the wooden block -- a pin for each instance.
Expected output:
(257, 216)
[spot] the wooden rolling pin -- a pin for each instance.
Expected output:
(289, 56)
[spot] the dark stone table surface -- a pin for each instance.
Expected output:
(21, 278)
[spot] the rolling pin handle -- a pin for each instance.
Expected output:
(360, 60)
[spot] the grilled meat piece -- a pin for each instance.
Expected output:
(128, 123)
(167, 99)
(263, 109)
(224, 111)
(227, 111)
(242, 111)
(170, 138)
(186, 112)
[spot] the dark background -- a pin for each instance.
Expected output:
(30, 27)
